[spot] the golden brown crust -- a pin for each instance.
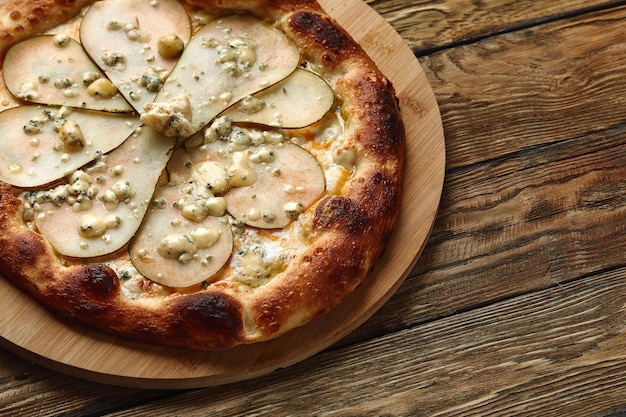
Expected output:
(20, 19)
(350, 231)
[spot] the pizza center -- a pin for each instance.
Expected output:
(148, 138)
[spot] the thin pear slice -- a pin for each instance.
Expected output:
(125, 185)
(176, 252)
(31, 149)
(123, 38)
(225, 61)
(285, 180)
(55, 70)
(300, 100)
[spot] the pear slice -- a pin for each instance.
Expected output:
(32, 151)
(225, 61)
(118, 188)
(176, 252)
(126, 39)
(284, 180)
(55, 70)
(300, 100)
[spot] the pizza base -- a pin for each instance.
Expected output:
(346, 232)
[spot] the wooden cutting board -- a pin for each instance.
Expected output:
(30, 331)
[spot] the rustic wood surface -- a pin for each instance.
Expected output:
(30, 330)
(516, 306)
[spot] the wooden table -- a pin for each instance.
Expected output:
(516, 305)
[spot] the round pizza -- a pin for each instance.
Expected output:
(199, 173)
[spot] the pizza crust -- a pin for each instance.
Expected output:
(348, 232)
(21, 20)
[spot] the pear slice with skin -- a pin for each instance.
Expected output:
(32, 153)
(125, 185)
(225, 61)
(300, 100)
(123, 37)
(175, 251)
(55, 70)
(285, 180)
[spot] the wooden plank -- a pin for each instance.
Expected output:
(552, 224)
(521, 199)
(28, 328)
(587, 213)
(30, 390)
(429, 25)
(524, 89)
(557, 356)
(482, 361)
(500, 216)
(581, 322)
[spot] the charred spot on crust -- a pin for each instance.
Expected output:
(388, 127)
(86, 293)
(385, 202)
(65, 2)
(341, 213)
(213, 311)
(97, 280)
(28, 250)
(376, 197)
(322, 32)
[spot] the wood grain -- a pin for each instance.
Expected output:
(517, 357)
(428, 26)
(30, 331)
(524, 89)
(516, 306)
(548, 211)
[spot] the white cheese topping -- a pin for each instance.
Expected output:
(256, 258)
(172, 118)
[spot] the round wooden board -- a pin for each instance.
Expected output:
(30, 331)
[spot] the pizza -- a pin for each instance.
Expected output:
(197, 174)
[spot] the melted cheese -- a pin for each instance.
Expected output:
(258, 255)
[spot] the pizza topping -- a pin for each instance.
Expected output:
(227, 46)
(293, 209)
(40, 71)
(236, 56)
(122, 37)
(113, 60)
(172, 118)
(240, 173)
(122, 194)
(250, 105)
(153, 78)
(50, 143)
(101, 87)
(89, 77)
(204, 237)
(184, 237)
(270, 182)
(72, 136)
(214, 176)
(91, 226)
(170, 46)
(61, 40)
(178, 252)
(253, 266)
(113, 24)
(177, 246)
(299, 100)
(29, 91)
